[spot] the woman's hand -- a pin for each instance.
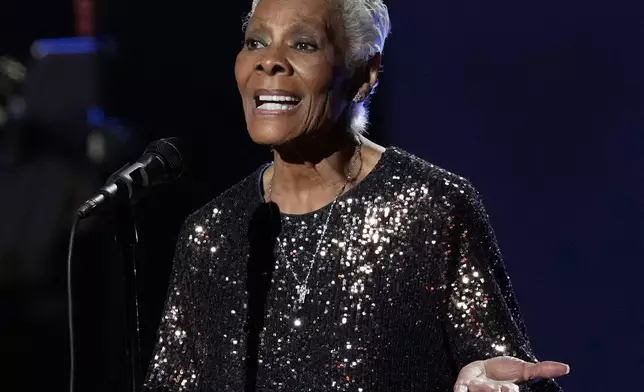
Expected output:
(503, 374)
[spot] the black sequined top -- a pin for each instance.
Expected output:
(406, 288)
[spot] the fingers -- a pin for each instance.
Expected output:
(546, 369)
(505, 369)
(467, 374)
(460, 388)
(515, 370)
(490, 386)
(471, 371)
(502, 374)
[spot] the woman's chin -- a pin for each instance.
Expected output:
(269, 136)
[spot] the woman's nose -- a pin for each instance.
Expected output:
(274, 63)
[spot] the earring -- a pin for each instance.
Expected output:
(358, 97)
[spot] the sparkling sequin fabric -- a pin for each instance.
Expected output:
(408, 287)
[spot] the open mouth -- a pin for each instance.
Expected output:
(276, 103)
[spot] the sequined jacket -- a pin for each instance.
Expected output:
(407, 287)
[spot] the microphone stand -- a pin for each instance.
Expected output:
(127, 239)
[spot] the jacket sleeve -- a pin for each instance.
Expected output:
(177, 356)
(482, 319)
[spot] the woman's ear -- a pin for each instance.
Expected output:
(374, 64)
(368, 78)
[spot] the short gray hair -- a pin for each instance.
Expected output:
(366, 27)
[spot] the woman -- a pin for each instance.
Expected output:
(342, 265)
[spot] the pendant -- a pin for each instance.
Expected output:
(302, 291)
(297, 306)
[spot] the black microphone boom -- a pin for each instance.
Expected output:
(161, 163)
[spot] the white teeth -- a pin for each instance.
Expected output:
(277, 98)
(277, 102)
(275, 106)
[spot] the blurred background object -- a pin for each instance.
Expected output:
(54, 152)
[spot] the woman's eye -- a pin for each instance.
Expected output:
(305, 47)
(253, 44)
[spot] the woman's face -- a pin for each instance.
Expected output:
(290, 71)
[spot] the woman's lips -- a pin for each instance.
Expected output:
(275, 102)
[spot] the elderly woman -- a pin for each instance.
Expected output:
(342, 265)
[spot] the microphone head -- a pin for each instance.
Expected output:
(169, 151)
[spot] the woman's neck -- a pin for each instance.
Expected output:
(309, 173)
(308, 176)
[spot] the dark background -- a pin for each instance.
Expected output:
(539, 104)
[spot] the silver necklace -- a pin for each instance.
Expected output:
(302, 285)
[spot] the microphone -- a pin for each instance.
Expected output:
(161, 163)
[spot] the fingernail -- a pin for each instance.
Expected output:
(461, 388)
(567, 369)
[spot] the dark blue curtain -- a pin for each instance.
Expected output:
(540, 105)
